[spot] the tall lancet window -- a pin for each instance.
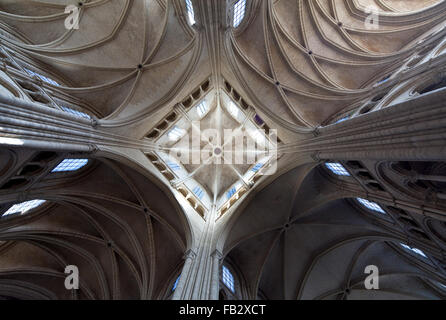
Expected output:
(190, 12)
(23, 207)
(70, 165)
(371, 205)
(239, 12)
(228, 279)
(337, 168)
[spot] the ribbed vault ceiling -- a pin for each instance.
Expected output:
(291, 248)
(272, 46)
(123, 233)
(299, 63)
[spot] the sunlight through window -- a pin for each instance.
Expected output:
(190, 12)
(371, 205)
(41, 77)
(176, 134)
(70, 165)
(228, 279)
(23, 207)
(233, 109)
(413, 250)
(239, 12)
(76, 112)
(337, 169)
(176, 283)
(202, 109)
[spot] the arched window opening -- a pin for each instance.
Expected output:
(414, 61)
(24, 207)
(231, 192)
(337, 168)
(228, 279)
(42, 77)
(176, 134)
(175, 284)
(367, 108)
(435, 86)
(411, 250)
(68, 165)
(233, 109)
(343, 119)
(198, 192)
(380, 96)
(239, 12)
(423, 176)
(202, 109)
(257, 167)
(190, 12)
(174, 166)
(440, 285)
(371, 205)
(385, 79)
(76, 112)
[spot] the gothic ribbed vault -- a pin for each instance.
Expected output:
(358, 84)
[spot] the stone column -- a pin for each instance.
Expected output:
(215, 282)
(413, 130)
(199, 278)
(189, 257)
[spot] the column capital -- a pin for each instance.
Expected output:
(317, 132)
(316, 156)
(217, 254)
(190, 254)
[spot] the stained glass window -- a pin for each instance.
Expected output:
(41, 77)
(231, 192)
(198, 192)
(75, 112)
(413, 250)
(228, 279)
(371, 205)
(176, 134)
(239, 12)
(190, 12)
(337, 169)
(176, 283)
(70, 165)
(202, 109)
(21, 208)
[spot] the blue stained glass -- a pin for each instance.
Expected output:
(228, 279)
(239, 12)
(198, 192)
(176, 283)
(414, 250)
(173, 166)
(257, 167)
(23, 207)
(231, 192)
(337, 169)
(190, 12)
(343, 119)
(70, 165)
(371, 205)
(202, 109)
(41, 77)
(76, 112)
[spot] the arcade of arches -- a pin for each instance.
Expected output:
(339, 111)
